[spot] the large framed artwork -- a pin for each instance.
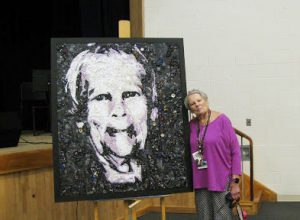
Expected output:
(120, 129)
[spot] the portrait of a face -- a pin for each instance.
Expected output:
(115, 103)
(116, 109)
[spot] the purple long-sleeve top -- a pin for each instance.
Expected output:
(221, 150)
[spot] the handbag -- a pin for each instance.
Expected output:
(235, 204)
(240, 212)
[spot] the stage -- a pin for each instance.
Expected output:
(31, 152)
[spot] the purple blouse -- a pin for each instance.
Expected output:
(221, 150)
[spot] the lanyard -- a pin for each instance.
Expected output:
(201, 139)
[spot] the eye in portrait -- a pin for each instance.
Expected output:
(115, 106)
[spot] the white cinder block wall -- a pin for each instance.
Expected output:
(246, 56)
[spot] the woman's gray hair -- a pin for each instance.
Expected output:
(192, 92)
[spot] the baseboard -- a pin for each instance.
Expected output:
(288, 198)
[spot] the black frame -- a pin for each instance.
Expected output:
(185, 186)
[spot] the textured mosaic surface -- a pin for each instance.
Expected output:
(99, 154)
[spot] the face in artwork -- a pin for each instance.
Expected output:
(117, 110)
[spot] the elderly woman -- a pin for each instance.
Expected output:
(216, 159)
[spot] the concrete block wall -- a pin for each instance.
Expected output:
(246, 56)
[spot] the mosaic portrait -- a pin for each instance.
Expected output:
(119, 124)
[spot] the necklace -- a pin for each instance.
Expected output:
(201, 139)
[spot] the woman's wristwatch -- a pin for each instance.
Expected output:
(236, 180)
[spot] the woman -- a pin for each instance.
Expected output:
(216, 158)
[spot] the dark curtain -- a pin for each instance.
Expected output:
(102, 22)
(28, 26)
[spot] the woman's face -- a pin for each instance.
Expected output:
(198, 105)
